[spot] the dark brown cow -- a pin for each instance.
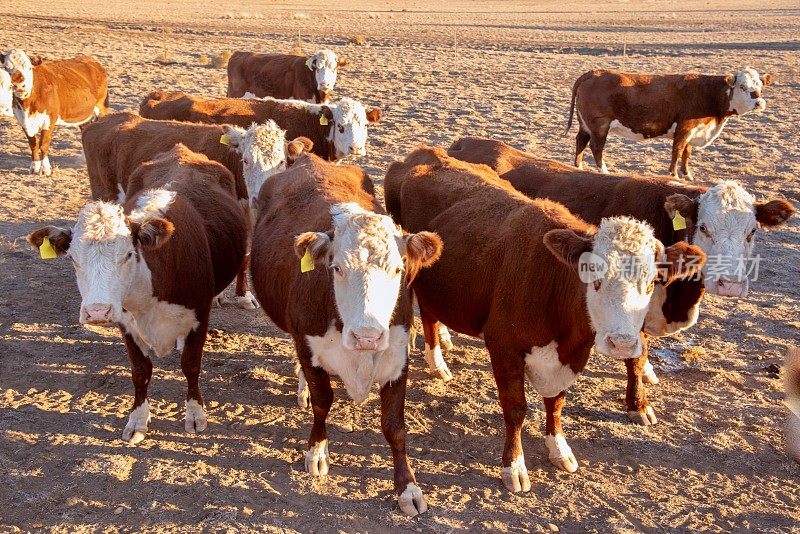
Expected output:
(336, 129)
(117, 144)
(309, 78)
(725, 215)
(345, 303)
(154, 265)
(509, 273)
(69, 92)
(692, 109)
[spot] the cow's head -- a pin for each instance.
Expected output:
(722, 222)
(325, 66)
(265, 152)
(20, 67)
(618, 266)
(348, 126)
(368, 257)
(106, 249)
(6, 94)
(746, 88)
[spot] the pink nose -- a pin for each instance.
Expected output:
(726, 288)
(97, 313)
(621, 345)
(367, 339)
(358, 149)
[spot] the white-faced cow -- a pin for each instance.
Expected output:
(721, 221)
(69, 92)
(792, 387)
(346, 302)
(509, 274)
(691, 109)
(309, 78)
(337, 130)
(154, 265)
(6, 94)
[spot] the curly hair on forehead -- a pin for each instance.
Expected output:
(102, 221)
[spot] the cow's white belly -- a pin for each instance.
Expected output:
(546, 373)
(705, 134)
(359, 370)
(32, 123)
(161, 327)
(62, 122)
(621, 130)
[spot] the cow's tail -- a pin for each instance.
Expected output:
(575, 86)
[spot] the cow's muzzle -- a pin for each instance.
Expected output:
(97, 314)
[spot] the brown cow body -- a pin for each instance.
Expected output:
(158, 264)
(691, 109)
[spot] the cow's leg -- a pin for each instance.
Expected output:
(36, 155)
(509, 375)
(679, 143)
(684, 170)
(141, 373)
(244, 299)
(302, 387)
(559, 453)
(191, 362)
(596, 144)
(445, 339)
(581, 140)
(319, 385)
(47, 135)
(639, 410)
(393, 398)
(649, 375)
(433, 351)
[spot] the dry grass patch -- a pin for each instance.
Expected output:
(165, 58)
(220, 61)
(694, 355)
(204, 60)
(358, 40)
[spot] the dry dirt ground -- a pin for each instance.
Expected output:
(716, 460)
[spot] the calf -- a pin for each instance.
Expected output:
(154, 264)
(336, 130)
(692, 109)
(117, 144)
(509, 275)
(720, 220)
(792, 386)
(69, 92)
(345, 303)
(284, 76)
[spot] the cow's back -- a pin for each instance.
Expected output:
(275, 75)
(80, 85)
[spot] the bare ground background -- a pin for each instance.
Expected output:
(715, 461)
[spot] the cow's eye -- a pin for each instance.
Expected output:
(398, 270)
(336, 269)
(341, 129)
(703, 228)
(597, 284)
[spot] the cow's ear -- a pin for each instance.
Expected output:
(374, 114)
(766, 79)
(342, 62)
(327, 112)
(60, 238)
(233, 137)
(567, 246)
(730, 80)
(420, 250)
(680, 262)
(774, 212)
(316, 244)
(152, 233)
(682, 204)
(298, 146)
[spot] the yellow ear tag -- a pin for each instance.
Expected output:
(46, 250)
(793, 405)
(678, 222)
(306, 262)
(224, 140)
(322, 120)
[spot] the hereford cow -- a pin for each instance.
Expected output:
(509, 274)
(721, 221)
(692, 109)
(337, 130)
(69, 92)
(117, 144)
(154, 265)
(284, 76)
(6, 94)
(792, 386)
(330, 268)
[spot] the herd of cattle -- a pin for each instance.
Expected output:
(541, 260)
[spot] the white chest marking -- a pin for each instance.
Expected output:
(161, 327)
(359, 370)
(547, 374)
(705, 134)
(32, 124)
(618, 128)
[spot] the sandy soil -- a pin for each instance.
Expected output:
(715, 461)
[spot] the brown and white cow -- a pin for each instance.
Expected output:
(720, 220)
(309, 78)
(6, 94)
(118, 143)
(792, 387)
(337, 129)
(350, 312)
(68, 92)
(691, 109)
(154, 265)
(509, 274)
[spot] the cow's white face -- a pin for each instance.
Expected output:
(263, 149)
(6, 94)
(325, 65)
(747, 86)
(349, 129)
(19, 66)
(366, 259)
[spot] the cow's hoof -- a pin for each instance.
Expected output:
(317, 459)
(411, 501)
(136, 428)
(246, 301)
(515, 477)
(645, 417)
(36, 167)
(196, 418)
(436, 364)
(560, 453)
(219, 301)
(443, 373)
(649, 374)
(445, 339)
